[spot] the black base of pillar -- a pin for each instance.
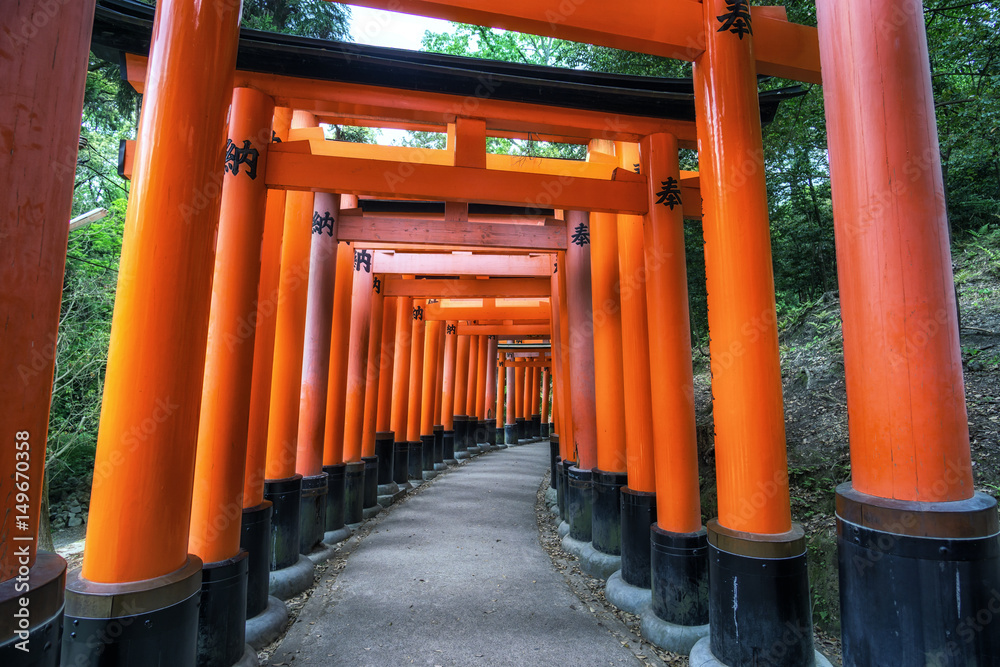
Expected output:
(522, 428)
(400, 462)
(638, 514)
(580, 504)
(354, 492)
(552, 428)
(414, 463)
(554, 462)
(606, 531)
(36, 627)
(679, 572)
(371, 481)
(482, 434)
(255, 539)
(427, 453)
(919, 582)
(496, 435)
(221, 626)
(545, 430)
(535, 426)
(150, 622)
(563, 489)
(312, 512)
(383, 450)
(510, 434)
(285, 496)
(461, 424)
(335, 496)
(759, 609)
(438, 443)
(448, 441)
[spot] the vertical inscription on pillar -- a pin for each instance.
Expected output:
(581, 235)
(737, 18)
(418, 313)
(670, 193)
(246, 156)
(322, 224)
(363, 260)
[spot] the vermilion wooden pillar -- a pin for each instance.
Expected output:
(358, 498)
(217, 506)
(315, 370)
(501, 390)
(256, 533)
(910, 512)
(401, 389)
(560, 322)
(510, 423)
(384, 436)
(374, 367)
(545, 415)
(580, 327)
(283, 485)
(472, 391)
(460, 419)
(754, 532)
(137, 534)
(536, 397)
(415, 395)
(448, 384)
(680, 542)
(430, 366)
(45, 72)
(490, 399)
(480, 435)
(519, 384)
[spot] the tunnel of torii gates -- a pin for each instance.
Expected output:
(305, 329)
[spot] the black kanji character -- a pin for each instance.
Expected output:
(451, 328)
(322, 225)
(377, 285)
(669, 194)
(555, 267)
(275, 138)
(635, 167)
(737, 20)
(363, 258)
(581, 235)
(418, 313)
(237, 156)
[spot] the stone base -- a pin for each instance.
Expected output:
(627, 597)
(323, 552)
(551, 497)
(291, 581)
(369, 512)
(331, 537)
(268, 625)
(563, 529)
(573, 546)
(248, 659)
(701, 656)
(451, 462)
(596, 563)
(441, 467)
(429, 475)
(461, 456)
(676, 638)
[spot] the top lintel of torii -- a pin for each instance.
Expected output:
(672, 29)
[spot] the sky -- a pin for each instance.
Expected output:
(401, 31)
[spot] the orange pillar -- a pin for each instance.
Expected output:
(323, 269)
(490, 399)
(141, 500)
(472, 391)
(365, 496)
(438, 427)
(384, 436)
(501, 393)
(545, 414)
(340, 342)
(448, 385)
(417, 336)
(751, 468)
(911, 491)
(401, 388)
(430, 365)
(536, 397)
(225, 403)
(263, 350)
(374, 366)
(480, 434)
(560, 357)
(45, 70)
(519, 386)
(510, 422)
(460, 419)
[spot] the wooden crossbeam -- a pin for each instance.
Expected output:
(535, 310)
(504, 363)
(290, 169)
(470, 289)
(465, 264)
(509, 330)
(400, 232)
(673, 28)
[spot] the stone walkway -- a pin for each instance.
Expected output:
(454, 576)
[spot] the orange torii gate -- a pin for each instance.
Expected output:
(152, 553)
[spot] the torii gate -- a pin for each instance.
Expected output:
(911, 511)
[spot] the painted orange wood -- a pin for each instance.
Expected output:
(401, 367)
(375, 375)
(340, 346)
(357, 361)
(415, 396)
(457, 310)
(449, 379)
(470, 289)
(383, 422)
(513, 330)
(430, 364)
(443, 264)
(44, 76)
(401, 232)
(225, 398)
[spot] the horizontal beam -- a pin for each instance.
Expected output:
(464, 264)
(487, 311)
(455, 233)
(469, 289)
(375, 103)
(503, 363)
(508, 330)
(288, 169)
(673, 28)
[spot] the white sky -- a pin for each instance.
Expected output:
(401, 31)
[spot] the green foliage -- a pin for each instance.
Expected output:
(306, 18)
